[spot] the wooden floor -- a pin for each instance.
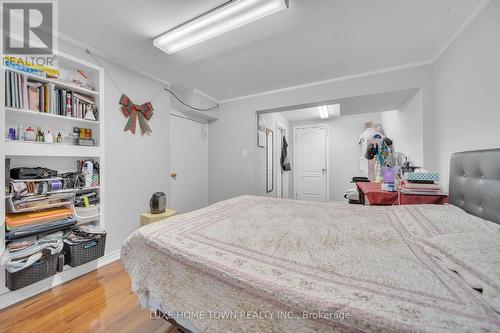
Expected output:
(100, 301)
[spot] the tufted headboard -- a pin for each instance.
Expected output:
(475, 183)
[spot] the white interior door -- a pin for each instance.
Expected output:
(189, 164)
(310, 156)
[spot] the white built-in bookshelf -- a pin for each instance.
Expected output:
(58, 156)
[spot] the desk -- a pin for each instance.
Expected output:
(370, 193)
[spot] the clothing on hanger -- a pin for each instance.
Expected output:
(285, 164)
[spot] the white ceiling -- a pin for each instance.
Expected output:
(388, 101)
(313, 40)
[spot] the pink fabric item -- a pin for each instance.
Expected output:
(377, 196)
(415, 199)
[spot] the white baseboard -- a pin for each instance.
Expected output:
(15, 296)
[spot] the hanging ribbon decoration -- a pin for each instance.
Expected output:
(144, 112)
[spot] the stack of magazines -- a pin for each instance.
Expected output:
(30, 223)
(421, 183)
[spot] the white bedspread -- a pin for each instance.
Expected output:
(259, 264)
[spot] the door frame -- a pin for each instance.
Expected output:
(327, 153)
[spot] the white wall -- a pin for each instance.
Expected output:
(344, 150)
(231, 174)
(136, 166)
(405, 128)
(467, 90)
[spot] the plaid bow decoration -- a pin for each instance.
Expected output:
(144, 112)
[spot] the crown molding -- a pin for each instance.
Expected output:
(77, 43)
(107, 57)
(337, 79)
(199, 92)
(475, 13)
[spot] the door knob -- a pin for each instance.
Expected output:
(324, 170)
(173, 174)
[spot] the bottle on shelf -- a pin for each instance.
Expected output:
(39, 135)
(49, 138)
(30, 134)
(20, 132)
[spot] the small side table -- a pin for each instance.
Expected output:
(148, 218)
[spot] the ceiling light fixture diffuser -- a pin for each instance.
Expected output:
(327, 111)
(323, 112)
(334, 110)
(229, 16)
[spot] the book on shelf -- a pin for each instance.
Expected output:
(16, 93)
(22, 93)
(84, 99)
(53, 98)
(33, 96)
(46, 94)
(42, 98)
(56, 102)
(69, 98)
(7, 89)
(62, 102)
(25, 90)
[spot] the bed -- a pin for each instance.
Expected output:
(256, 264)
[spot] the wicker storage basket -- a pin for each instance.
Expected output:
(81, 253)
(45, 267)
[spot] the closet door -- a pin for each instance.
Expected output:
(310, 156)
(189, 164)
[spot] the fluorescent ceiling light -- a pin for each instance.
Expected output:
(334, 110)
(323, 111)
(229, 16)
(327, 111)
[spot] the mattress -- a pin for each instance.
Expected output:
(273, 265)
